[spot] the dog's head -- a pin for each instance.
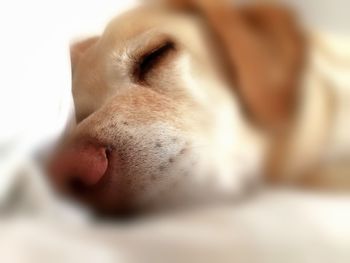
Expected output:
(156, 121)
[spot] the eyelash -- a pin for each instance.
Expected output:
(149, 60)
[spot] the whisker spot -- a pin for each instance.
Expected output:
(183, 151)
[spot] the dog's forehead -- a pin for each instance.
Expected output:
(137, 21)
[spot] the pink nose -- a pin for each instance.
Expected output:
(83, 164)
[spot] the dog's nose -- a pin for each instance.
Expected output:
(80, 166)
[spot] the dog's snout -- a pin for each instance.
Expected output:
(80, 166)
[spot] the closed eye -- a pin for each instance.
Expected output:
(151, 59)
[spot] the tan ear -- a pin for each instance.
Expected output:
(264, 52)
(77, 49)
(269, 61)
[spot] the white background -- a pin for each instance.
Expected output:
(35, 99)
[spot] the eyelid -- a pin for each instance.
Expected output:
(151, 54)
(149, 43)
(166, 43)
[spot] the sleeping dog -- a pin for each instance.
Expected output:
(196, 103)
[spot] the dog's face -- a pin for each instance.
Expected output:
(156, 122)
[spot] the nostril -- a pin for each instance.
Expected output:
(76, 186)
(108, 151)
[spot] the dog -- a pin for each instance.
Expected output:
(195, 103)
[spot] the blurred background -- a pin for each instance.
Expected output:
(36, 107)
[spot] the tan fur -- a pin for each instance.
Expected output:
(176, 135)
(179, 133)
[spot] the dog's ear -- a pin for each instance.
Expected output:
(266, 51)
(263, 49)
(77, 49)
